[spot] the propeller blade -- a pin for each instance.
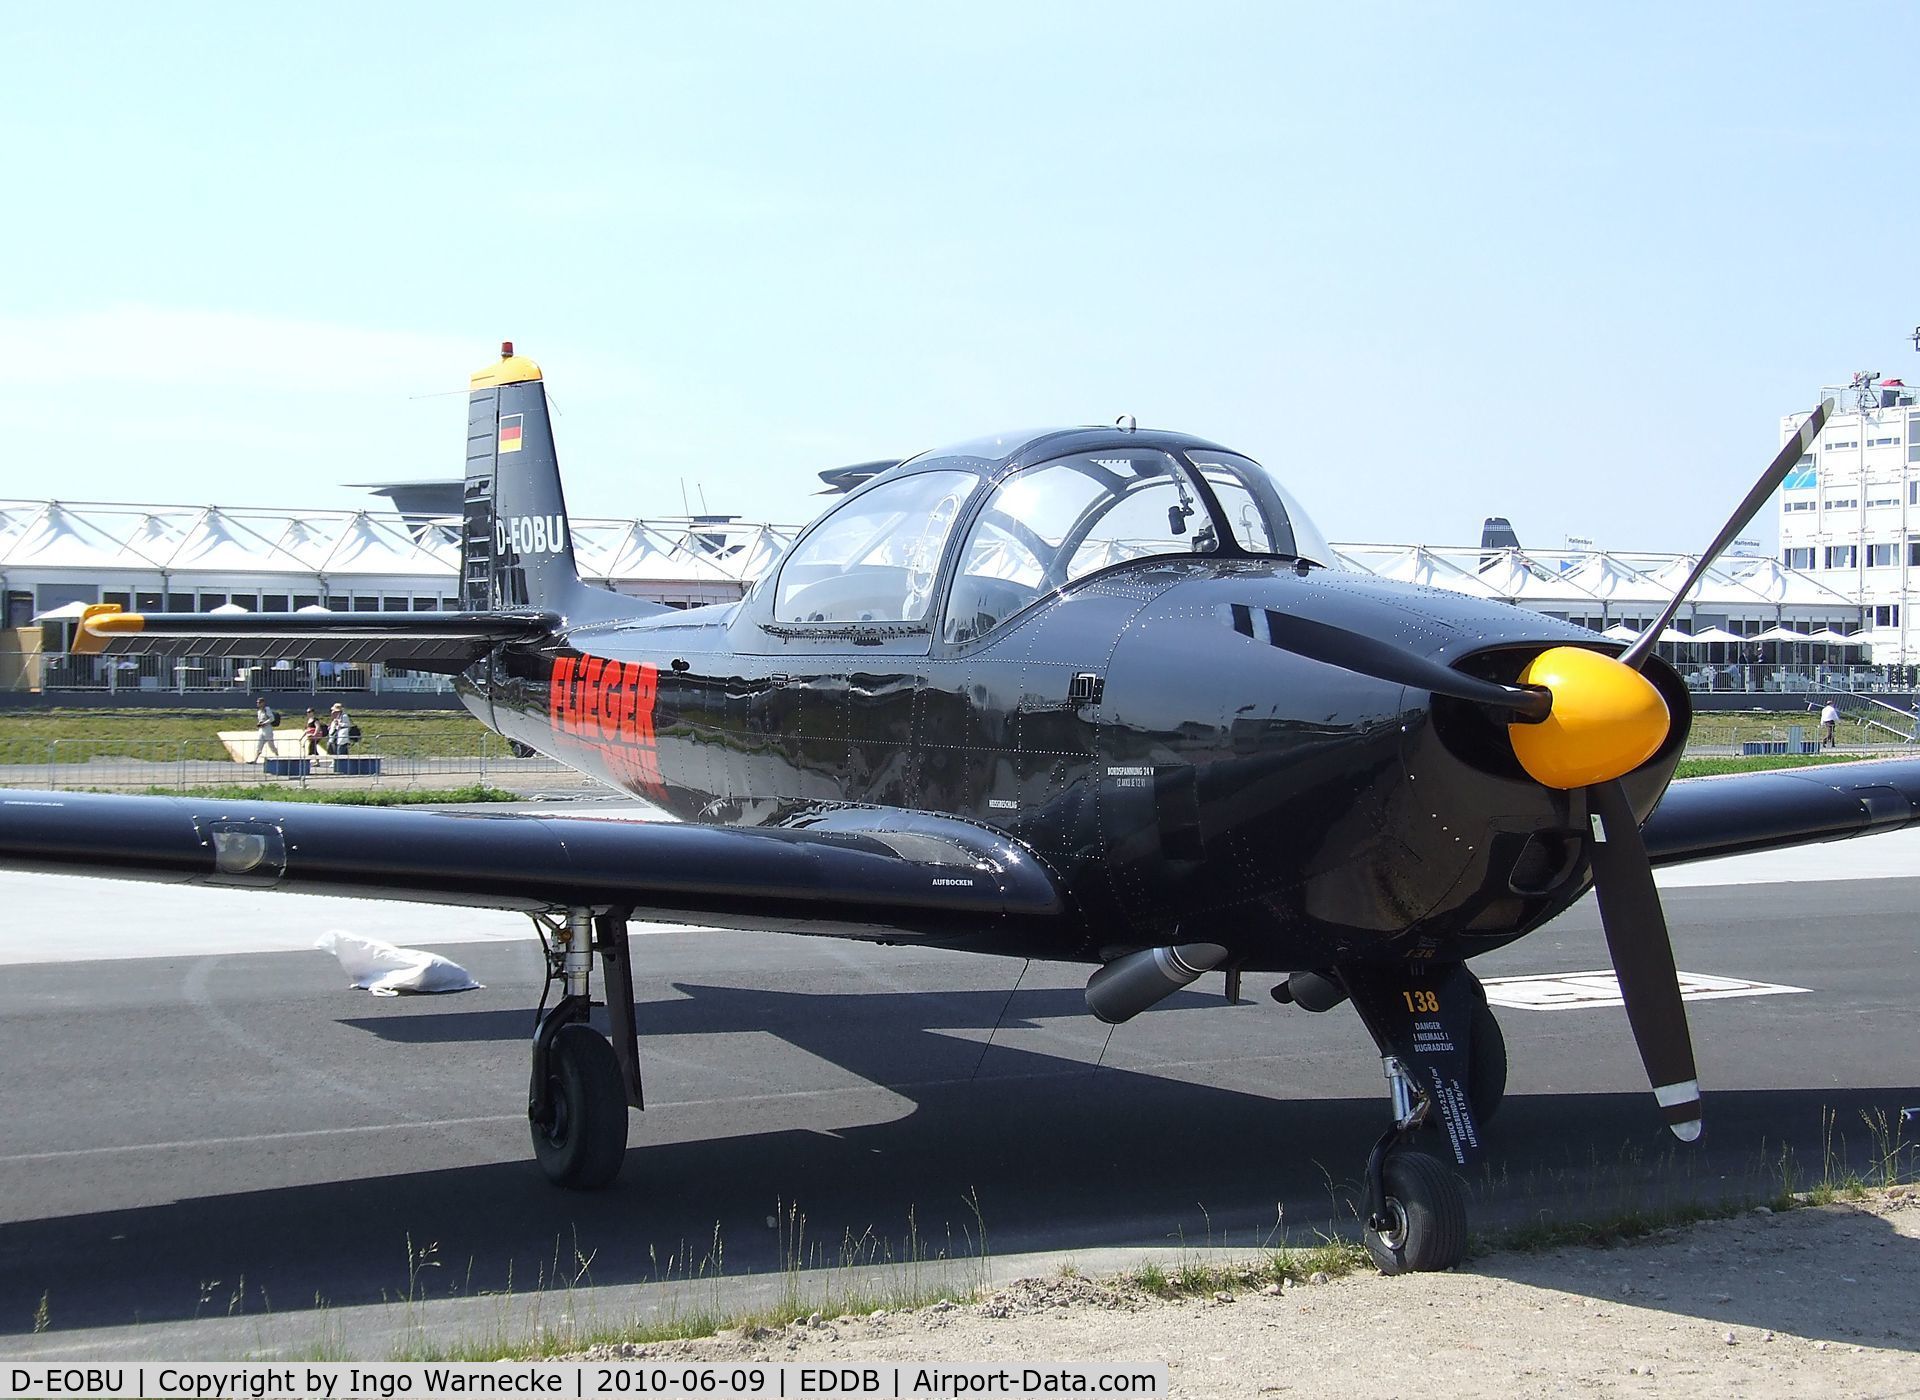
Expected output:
(1769, 482)
(1352, 651)
(1636, 929)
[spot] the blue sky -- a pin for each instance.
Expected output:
(1568, 264)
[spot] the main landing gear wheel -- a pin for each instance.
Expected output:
(1424, 1216)
(583, 1138)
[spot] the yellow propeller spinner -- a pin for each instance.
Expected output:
(1607, 719)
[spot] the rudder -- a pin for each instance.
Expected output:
(516, 550)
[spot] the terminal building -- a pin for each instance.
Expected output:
(1754, 625)
(1850, 511)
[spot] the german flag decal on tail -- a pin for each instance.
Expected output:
(510, 433)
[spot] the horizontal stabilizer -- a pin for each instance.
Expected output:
(436, 637)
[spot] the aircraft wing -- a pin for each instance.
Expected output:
(1700, 818)
(838, 870)
(426, 640)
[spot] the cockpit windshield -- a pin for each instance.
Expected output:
(1048, 525)
(1261, 513)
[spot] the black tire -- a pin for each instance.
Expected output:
(584, 1139)
(1428, 1211)
(1486, 1065)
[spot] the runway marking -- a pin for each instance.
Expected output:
(1575, 991)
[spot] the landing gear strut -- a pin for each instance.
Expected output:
(583, 1082)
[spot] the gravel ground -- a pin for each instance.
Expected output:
(1823, 1300)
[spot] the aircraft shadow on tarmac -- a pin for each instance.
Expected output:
(1041, 1150)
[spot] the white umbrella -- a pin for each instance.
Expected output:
(66, 612)
(1779, 634)
(1620, 632)
(313, 607)
(1717, 634)
(227, 608)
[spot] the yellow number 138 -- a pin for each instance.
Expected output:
(1421, 1001)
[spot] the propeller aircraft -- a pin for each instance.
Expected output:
(1097, 695)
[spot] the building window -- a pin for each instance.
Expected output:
(1873, 501)
(1799, 558)
(1886, 615)
(305, 600)
(1836, 446)
(273, 602)
(150, 602)
(1913, 553)
(1842, 556)
(363, 603)
(1883, 442)
(426, 605)
(393, 605)
(1880, 556)
(1844, 503)
(1792, 506)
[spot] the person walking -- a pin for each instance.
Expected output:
(315, 734)
(1829, 721)
(264, 719)
(339, 730)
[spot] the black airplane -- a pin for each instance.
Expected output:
(1094, 695)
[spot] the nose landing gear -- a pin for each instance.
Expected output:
(1416, 1218)
(583, 1082)
(1446, 1067)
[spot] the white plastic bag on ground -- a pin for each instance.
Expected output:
(387, 971)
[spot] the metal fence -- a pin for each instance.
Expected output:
(175, 764)
(1797, 680)
(176, 675)
(1864, 730)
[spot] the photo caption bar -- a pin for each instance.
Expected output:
(343, 1380)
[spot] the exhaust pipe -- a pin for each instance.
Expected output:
(1129, 985)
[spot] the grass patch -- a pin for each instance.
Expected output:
(860, 1275)
(1892, 1161)
(1198, 1278)
(84, 734)
(341, 797)
(1760, 763)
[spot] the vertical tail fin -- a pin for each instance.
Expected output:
(516, 550)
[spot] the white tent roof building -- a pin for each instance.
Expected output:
(183, 558)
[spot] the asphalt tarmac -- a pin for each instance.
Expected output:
(197, 1134)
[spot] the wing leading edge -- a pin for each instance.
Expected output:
(854, 872)
(1700, 818)
(428, 641)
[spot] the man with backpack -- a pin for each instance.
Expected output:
(264, 719)
(341, 731)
